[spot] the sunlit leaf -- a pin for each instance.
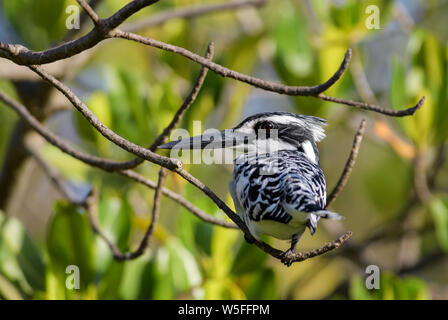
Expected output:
(69, 242)
(20, 260)
(439, 212)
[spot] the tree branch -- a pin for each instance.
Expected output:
(146, 154)
(101, 163)
(91, 206)
(225, 72)
(23, 56)
(370, 107)
(90, 12)
(179, 199)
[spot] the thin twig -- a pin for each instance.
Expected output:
(349, 164)
(301, 256)
(84, 17)
(420, 179)
(92, 209)
(179, 199)
(54, 176)
(188, 13)
(225, 72)
(371, 107)
(90, 12)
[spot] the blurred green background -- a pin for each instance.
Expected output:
(135, 90)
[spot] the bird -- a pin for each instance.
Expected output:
(277, 187)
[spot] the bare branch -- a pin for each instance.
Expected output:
(101, 163)
(420, 179)
(301, 256)
(92, 208)
(88, 9)
(53, 139)
(22, 55)
(168, 163)
(369, 107)
(179, 199)
(107, 28)
(188, 13)
(349, 164)
(225, 72)
(54, 176)
(84, 17)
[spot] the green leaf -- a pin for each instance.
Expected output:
(70, 242)
(8, 290)
(248, 259)
(115, 219)
(262, 285)
(398, 84)
(162, 286)
(20, 260)
(393, 287)
(293, 47)
(358, 290)
(134, 282)
(185, 271)
(38, 22)
(439, 212)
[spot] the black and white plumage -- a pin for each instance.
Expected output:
(278, 187)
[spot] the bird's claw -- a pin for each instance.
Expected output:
(288, 257)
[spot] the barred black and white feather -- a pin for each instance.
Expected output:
(285, 187)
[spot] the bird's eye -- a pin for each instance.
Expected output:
(265, 125)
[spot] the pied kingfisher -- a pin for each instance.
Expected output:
(278, 187)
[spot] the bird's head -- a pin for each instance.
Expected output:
(263, 133)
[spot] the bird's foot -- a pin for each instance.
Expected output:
(288, 257)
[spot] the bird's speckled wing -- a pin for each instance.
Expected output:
(271, 186)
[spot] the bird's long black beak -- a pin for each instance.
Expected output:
(215, 140)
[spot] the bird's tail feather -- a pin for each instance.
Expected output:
(327, 214)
